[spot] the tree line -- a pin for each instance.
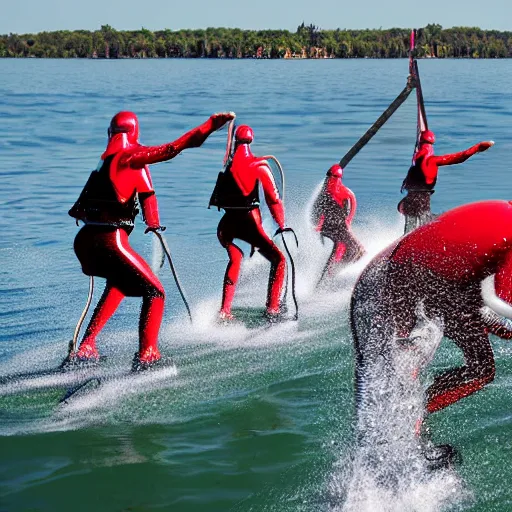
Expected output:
(308, 41)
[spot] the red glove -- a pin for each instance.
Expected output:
(483, 146)
(219, 119)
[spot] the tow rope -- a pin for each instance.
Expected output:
(228, 156)
(412, 83)
(167, 252)
(74, 341)
(292, 265)
(422, 123)
(361, 143)
(285, 230)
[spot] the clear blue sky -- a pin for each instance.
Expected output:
(28, 16)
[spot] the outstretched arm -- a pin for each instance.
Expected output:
(461, 156)
(274, 203)
(145, 155)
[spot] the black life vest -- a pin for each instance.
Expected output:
(228, 195)
(325, 205)
(415, 181)
(98, 202)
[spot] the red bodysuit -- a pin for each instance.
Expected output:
(242, 220)
(333, 212)
(422, 177)
(108, 206)
(440, 266)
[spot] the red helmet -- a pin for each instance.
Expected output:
(125, 122)
(123, 133)
(335, 171)
(428, 137)
(244, 134)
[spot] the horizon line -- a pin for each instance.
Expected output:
(380, 29)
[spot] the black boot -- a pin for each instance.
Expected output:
(275, 318)
(141, 366)
(72, 362)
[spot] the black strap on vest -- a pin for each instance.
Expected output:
(98, 202)
(227, 193)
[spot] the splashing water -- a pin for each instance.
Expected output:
(386, 471)
(232, 356)
(157, 255)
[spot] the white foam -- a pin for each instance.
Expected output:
(115, 389)
(386, 471)
(229, 353)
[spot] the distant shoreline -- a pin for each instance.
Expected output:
(307, 42)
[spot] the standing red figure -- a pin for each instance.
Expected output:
(458, 268)
(108, 207)
(333, 212)
(422, 176)
(238, 194)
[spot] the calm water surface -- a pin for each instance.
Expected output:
(258, 420)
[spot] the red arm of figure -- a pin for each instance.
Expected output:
(353, 205)
(147, 198)
(461, 156)
(277, 211)
(149, 207)
(146, 155)
(274, 203)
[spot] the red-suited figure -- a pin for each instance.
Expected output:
(108, 206)
(333, 212)
(422, 176)
(457, 268)
(238, 195)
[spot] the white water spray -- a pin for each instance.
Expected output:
(387, 471)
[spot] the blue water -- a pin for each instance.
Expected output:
(251, 421)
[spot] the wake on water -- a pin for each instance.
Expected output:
(385, 471)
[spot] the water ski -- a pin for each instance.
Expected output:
(93, 382)
(255, 318)
(81, 388)
(66, 367)
(16, 377)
